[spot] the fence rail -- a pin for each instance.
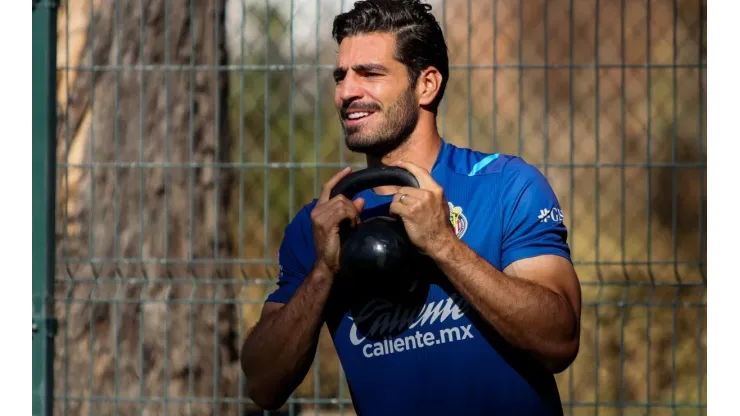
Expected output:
(43, 177)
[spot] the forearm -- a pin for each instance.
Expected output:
(278, 352)
(527, 315)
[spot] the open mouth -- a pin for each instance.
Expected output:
(357, 116)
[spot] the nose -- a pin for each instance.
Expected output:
(349, 89)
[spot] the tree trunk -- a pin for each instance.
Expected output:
(146, 317)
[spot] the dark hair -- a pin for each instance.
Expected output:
(419, 39)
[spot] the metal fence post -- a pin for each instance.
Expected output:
(44, 166)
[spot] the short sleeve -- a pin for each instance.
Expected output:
(295, 257)
(533, 221)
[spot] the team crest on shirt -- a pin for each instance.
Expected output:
(458, 220)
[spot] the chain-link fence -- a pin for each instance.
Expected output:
(188, 133)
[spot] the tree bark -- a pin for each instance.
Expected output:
(146, 314)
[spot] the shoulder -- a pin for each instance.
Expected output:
(298, 235)
(297, 247)
(511, 176)
(468, 162)
(473, 163)
(304, 214)
(301, 221)
(518, 175)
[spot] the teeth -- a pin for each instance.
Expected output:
(355, 116)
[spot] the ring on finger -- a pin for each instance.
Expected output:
(402, 197)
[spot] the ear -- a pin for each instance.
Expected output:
(427, 88)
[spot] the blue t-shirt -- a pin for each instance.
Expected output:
(433, 355)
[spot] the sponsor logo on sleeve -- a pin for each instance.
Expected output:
(554, 215)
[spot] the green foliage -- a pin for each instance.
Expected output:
(284, 124)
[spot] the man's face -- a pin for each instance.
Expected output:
(377, 105)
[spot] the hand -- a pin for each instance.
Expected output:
(325, 219)
(424, 211)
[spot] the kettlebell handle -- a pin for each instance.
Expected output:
(358, 181)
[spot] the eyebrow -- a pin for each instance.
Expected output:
(341, 71)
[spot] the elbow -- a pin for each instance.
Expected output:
(564, 352)
(262, 392)
(261, 387)
(563, 357)
(264, 398)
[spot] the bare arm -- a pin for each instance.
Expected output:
(534, 303)
(278, 352)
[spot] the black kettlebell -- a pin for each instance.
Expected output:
(377, 249)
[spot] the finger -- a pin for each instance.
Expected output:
(398, 207)
(407, 199)
(335, 211)
(331, 183)
(341, 200)
(422, 175)
(342, 209)
(411, 191)
(322, 209)
(348, 211)
(359, 204)
(330, 207)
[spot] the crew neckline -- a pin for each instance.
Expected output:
(437, 162)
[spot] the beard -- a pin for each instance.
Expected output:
(400, 120)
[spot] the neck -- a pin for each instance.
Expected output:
(421, 149)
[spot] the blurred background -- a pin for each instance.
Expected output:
(188, 133)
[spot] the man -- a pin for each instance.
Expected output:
(500, 308)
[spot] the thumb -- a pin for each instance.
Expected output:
(359, 203)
